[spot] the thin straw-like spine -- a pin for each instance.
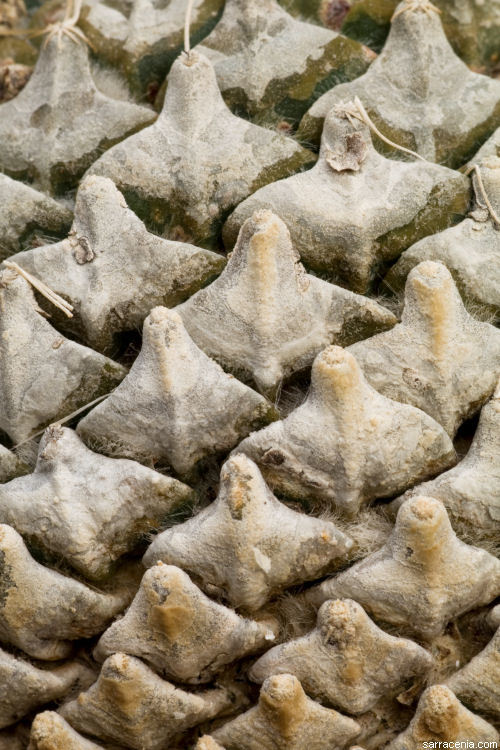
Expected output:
(65, 419)
(484, 195)
(73, 19)
(412, 5)
(187, 24)
(365, 117)
(46, 291)
(67, 26)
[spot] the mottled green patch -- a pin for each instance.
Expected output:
(6, 581)
(65, 175)
(147, 66)
(454, 151)
(263, 415)
(113, 326)
(451, 150)
(48, 12)
(17, 469)
(172, 220)
(303, 9)
(475, 38)
(310, 129)
(448, 204)
(90, 387)
(350, 60)
(19, 50)
(302, 160)
(342, 60)
(107, 49)
(209, 464)
(369, 22)
(357, 329)
(45, 232)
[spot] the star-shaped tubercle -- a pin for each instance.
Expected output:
(423, 577)
(346, 444)
(41, 610)
(130, 705)
(43, 376)
(112, 270)
(175, 403)
(85, 508)
(265, 59)
(439, 358)
(168, 620)
(407, 89)
(247, 545)
(346, 661)
(198, 161)
(440, 717)
(264, 318)
(356, 210)
(286, 719)
(472, 28)
(59, 123)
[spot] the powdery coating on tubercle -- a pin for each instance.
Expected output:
(129, 704)
(265, 318)
(493, 618)
(477, 684)
(407, 93)
(488, 149)
(25, 210)
(87, 508)
(439, 358)
(441, 716)
(286, 719)
(53, 130)
(144, 37)
(41, 610)
(175, 403)
(10, 465)
(398, 203)
(167, 621)
(43, 376)
(210, 612)
(423, 578)
(346, 444)
(470, 490)
(207, 743)
(25, 687)
(346, 660)
(470, 250)
(112, 270)
(260, 75)
(171, 164)
(49, 731)
(247, 545)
